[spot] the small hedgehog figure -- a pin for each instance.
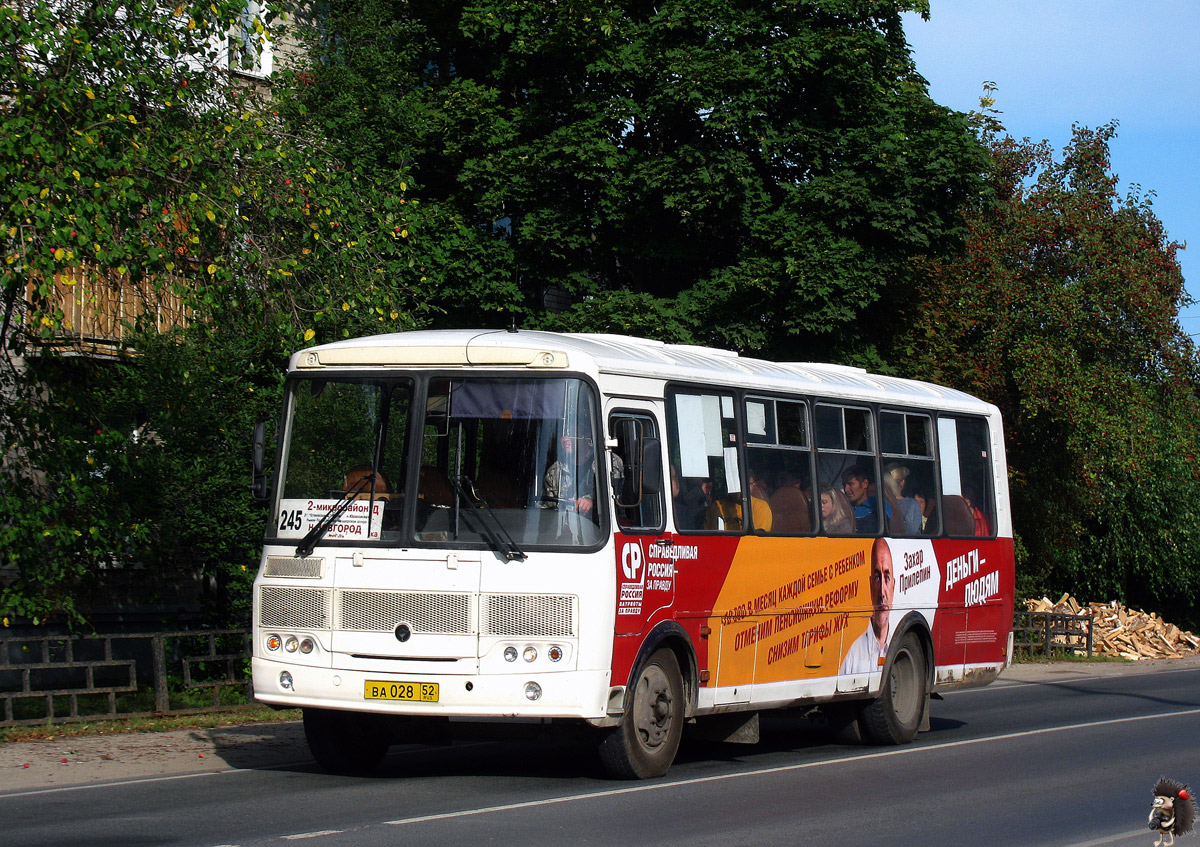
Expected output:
(1173, 812)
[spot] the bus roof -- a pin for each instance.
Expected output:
(624, 356)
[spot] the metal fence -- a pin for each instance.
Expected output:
(1050, 633)
(77, 678)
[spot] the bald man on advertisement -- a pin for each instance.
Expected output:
(869, 650)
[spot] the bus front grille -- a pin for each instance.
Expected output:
(355, 610)
(528, 615)
(380, 611)
(294, 608)
(295, 568)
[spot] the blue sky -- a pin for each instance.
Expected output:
(1058, 62)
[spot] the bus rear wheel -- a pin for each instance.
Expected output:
(646, 741)
(895, 715)
(345, 742)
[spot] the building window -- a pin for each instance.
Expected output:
(250, 49)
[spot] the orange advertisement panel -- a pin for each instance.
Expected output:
(769, 609)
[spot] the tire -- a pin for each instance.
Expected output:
(894, 717)
(345, 742)
(645, 743)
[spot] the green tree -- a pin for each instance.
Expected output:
(1063, 310)
(133, 161)
(759, 173)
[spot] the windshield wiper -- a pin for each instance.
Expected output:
(502, 542)
(309, 541)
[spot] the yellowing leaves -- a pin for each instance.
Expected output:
(309, 334)
(212, 269)
(208, 213)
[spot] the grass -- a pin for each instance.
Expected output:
(156, 723)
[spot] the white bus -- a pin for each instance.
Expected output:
(622, 535)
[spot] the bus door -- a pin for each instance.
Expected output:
(645, 548)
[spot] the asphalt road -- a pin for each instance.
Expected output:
(1050, 755)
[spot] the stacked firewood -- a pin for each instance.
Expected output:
(1120, 631)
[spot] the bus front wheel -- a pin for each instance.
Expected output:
(345, 742)
(646, 741)
(895, 715)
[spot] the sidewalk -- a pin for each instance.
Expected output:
(56, 762)
(32, 765)
(1059, 671)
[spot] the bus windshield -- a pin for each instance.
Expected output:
(497, 463)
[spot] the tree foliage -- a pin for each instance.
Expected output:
(770, 177)
(1063, 310)
(759, 171)
(134, 163)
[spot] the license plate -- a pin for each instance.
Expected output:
(423, 692)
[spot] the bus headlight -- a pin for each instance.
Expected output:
(533, 691)
(285, 680)
(291, 644)
(307, 645)
(510, 654)
(530, 655)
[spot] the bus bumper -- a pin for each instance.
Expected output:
(565, 694)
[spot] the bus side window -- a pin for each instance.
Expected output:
(847, 471)
(636, 473)
(705, 476)
(779, 463)
(968, 505)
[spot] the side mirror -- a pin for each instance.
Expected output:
(627, 464)
(639, 472)
(651, 465)
(260, 487)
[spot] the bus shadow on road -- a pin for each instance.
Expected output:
(566, 756)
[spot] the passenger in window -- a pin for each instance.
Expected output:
(760, 509)
(837, 516)
(924, 499)
(982, 527)
(856, 482)
(790, 511)
(570, 480)
(358, 479)
(690, 501)
(905, 509)
(724, 513)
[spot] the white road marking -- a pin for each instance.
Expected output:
(881, 754)
(316, 834)
(1138, 835)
